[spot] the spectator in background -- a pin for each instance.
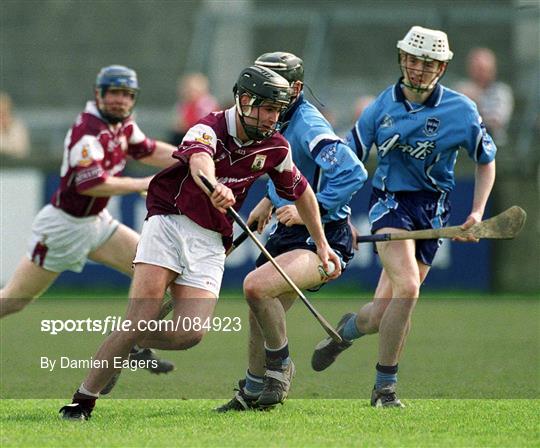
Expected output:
(361, 103)
(14, 139)
(194, 102)
(494, 99)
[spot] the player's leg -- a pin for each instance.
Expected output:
(424, 270)
(146, 294)
(118, 251)
(251, 386)
(262, 289)
(401, 266)
(28, 282)
(193, 311)
(43, 262)
(264, 286)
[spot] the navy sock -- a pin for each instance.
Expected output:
(254, 384)
(350, 331)
(385, 375)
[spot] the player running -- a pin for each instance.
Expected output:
(76, 226)
(335, 174)
(186, 233)
(418, 126)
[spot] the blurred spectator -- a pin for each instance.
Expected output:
(494, 99)
(360, 104)
(14, 139)
(194, 102)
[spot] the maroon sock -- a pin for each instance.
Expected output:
(86, 401)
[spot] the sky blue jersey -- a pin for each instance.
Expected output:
(417, 144)
(332, 168)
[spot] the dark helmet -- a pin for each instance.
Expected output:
(262, 85)
(116, 77)
(288, 65)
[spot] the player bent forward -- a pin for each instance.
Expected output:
(418, 126)
(184, 237)
(76, 225)
(335, 170)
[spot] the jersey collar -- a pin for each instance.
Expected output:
(92, 109)
(433, 100)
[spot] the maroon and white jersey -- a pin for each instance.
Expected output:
(173, 190)
(93, 151)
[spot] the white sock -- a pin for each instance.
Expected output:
(85, 391)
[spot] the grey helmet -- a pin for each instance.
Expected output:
(288, 65)
(261, 85)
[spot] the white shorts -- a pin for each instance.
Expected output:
(61, 242)
(177, 243)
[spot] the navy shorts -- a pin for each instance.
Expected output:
(411, 210)
(285, 239)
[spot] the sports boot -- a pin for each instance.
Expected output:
(327, 350)
(240, 402)
(75, 411)
(277, 382)
(385, 397)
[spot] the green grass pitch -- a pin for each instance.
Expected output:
(469, 377)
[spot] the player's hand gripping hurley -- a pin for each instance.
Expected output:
(238, 219)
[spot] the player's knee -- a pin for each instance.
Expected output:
(253, 289)
(408, 288)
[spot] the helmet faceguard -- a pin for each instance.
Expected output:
(115, 77)
(263, 87)
(288, 65)
(423, 57)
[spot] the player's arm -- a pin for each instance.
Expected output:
(345, 175)
(292, 186)
(362, 135)
(344, 172)
(222, 197)
(308, 210)
(161, 157)
(91, 178)
(112, 186)
(484, 178)
(261, 214)
(482, 150)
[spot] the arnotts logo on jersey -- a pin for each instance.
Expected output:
(258, 163)
(420, 151)
(205, 139)
(431, 127)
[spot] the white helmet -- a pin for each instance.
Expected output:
(426, 43)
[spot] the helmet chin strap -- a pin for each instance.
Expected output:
(252, 131)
